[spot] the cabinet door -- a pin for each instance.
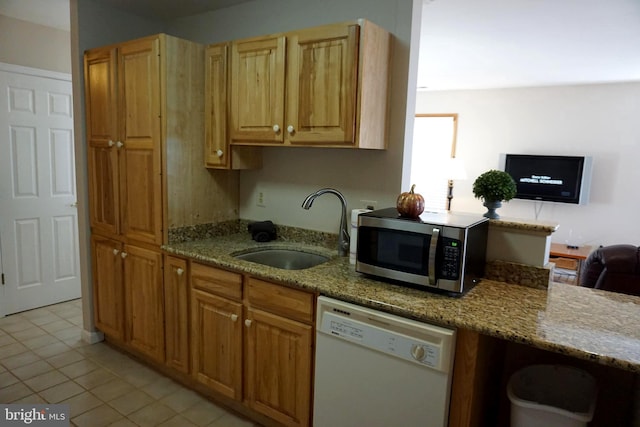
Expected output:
(102, 136)
(215, 107)
(144, 301)
(217, 343)
(257, 90)
(322, 72)
(108, 292)
(278, 367)
(140, 155)
(176, 313)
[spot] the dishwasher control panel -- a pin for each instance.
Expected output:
(428, 345)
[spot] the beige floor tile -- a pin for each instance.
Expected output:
(182, 399)
(15, 323)
(79, 368)
(44, 381)
(231, 420)
(14, 392)
(161, 387)
(131, 402)
(7, 379)
(68, 333)
(2, 368)
(60, 392)
(203, 413)
(152, 415)
(31, 370)
(76, 320)
(93, 379)
(40, 341)
(13, 349)
(20, 359)
(31, 399)
(45, 319)
(139, 376)
(28, 333)
(100, 416)
(64, 359)
(57, 325)
(82, 403)
(177, 421)
(6, 339)
(111, 390)
(123, 422)
(53, 349)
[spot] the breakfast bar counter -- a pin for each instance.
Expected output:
(587, 324)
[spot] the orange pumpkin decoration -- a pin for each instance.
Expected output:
(411, 204)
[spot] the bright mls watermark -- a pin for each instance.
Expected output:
(34, 415)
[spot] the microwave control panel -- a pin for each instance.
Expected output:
(450, 265)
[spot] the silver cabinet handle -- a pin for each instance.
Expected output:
(291, 129)
(276, 128)
(110, 143)
(234, 317)
(247, 322)
(219, 153)
(179, 271)
(123, 255)
(119, 144)
(116, 252)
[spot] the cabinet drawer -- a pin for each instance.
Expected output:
(219, 282)
(290, 303)
(566, 263)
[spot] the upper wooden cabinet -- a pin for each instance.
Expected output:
(218, 153)
(123, 131)
(324, 86)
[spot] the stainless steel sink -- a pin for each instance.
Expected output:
(287, 259)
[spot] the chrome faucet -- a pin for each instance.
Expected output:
(343, 237)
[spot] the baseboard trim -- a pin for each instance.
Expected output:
(92, 337)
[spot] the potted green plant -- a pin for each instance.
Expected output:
(494, 187)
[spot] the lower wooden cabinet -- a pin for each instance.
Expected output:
(108, 289)
(128, 295)
(144, 301)
(176, 313)
(252, 341)
(278, 367)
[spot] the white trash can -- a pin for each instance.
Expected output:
(551, 396)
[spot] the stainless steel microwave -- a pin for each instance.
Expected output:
(445, 251)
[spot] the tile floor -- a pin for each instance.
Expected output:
(44, 360)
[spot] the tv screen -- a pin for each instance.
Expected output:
(550, 178)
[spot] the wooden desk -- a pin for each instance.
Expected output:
(561, 252)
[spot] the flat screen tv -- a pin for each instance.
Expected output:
(564, 179)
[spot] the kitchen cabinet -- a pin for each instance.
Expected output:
(176, 313)
(128, 295)
(123, 131)
(279, 352)
(216, 331)
(252, 341)
(108, 288)
(145, 125)
(325, 86)
(218, 152)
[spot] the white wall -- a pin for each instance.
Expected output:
(32, 45)
(595, 120)
(289, 174)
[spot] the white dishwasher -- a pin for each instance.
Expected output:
(379, 370)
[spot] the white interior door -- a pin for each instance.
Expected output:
(38, 215)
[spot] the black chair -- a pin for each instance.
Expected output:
(613, 268)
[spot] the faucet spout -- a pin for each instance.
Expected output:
(343, 237)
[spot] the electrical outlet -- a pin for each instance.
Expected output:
(261, 199)
(369, 204)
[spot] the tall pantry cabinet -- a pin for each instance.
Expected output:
(144, 120)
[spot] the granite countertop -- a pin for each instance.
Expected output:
(589, 324)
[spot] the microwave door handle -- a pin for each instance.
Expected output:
(433, 244)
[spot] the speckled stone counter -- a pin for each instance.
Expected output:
(584, 323)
